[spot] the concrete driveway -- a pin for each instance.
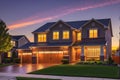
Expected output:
(24, 68)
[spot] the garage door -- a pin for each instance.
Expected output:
(27, 58)
(50, 57)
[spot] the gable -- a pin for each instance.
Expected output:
(100, 22)
(60, 24)
(93, 24)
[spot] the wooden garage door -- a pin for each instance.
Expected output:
(50, 58)
(27, 58)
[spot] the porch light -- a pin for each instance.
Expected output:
(47, 52)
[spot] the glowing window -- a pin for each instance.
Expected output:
(92, 53)
(55, 35)
(9, 54)
(41, 37)
(65, 34)
(93, 33)
(79, 36)
(13, 43)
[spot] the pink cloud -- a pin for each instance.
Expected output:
(34, 19)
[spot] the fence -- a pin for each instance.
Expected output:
(116, 59)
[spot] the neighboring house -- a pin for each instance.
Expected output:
(17, 41)
(75, 40)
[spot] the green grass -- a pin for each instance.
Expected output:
(81, 71)
(25, 78)
(3, 65)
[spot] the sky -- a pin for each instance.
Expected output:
(24, 16)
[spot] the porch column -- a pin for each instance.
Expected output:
(101, 53)
(70, 54)
(21, 56)
(37, 56)
(82, 54)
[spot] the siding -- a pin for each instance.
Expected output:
(22, 41)
(59, 27)
(85, 30)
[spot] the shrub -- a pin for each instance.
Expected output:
(7, 60)
(65, 61)
(99, 62)
(91, 62)
(16, 60)
(110, 61)
(81, 62)
(86, 62)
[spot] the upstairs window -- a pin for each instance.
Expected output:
(65, 34)
(55, 35)
(79, 36)
(41, 37)
(13, 43)
(93, 33)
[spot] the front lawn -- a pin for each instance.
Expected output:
(3, 65)
(81, 71)
(25, 78)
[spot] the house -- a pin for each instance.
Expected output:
(17, 41)
(75, 40)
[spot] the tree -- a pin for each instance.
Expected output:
(5, 39)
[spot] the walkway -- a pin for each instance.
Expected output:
(51, 77)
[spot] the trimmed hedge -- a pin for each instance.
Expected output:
(65, 61)
(16, 60)
(7, 60)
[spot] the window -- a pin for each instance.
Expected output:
(13, 43)
(65, 34)
(92, 53)
(9, 54)
(93, 33)
(41, 37)
(55, 35)
(79, 36)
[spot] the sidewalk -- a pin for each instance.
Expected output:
(50, 76)
(7, 78)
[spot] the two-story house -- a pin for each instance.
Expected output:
(75, 40)
(16, 41)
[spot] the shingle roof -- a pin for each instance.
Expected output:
(44, 27)
(74, 24)
(28, 45)
(16, 37)
(97, 41)
(90, 43)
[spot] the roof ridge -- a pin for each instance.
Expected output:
(81, 20)
(75, 24)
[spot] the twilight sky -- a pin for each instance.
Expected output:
(24, 16)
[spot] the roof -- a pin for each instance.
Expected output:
(17, 37)
(97, 41)
(74, 24)
(90, 43)
(28, 45)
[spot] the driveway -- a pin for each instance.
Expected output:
(24, 68)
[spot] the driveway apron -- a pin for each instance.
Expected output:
(24, 68)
